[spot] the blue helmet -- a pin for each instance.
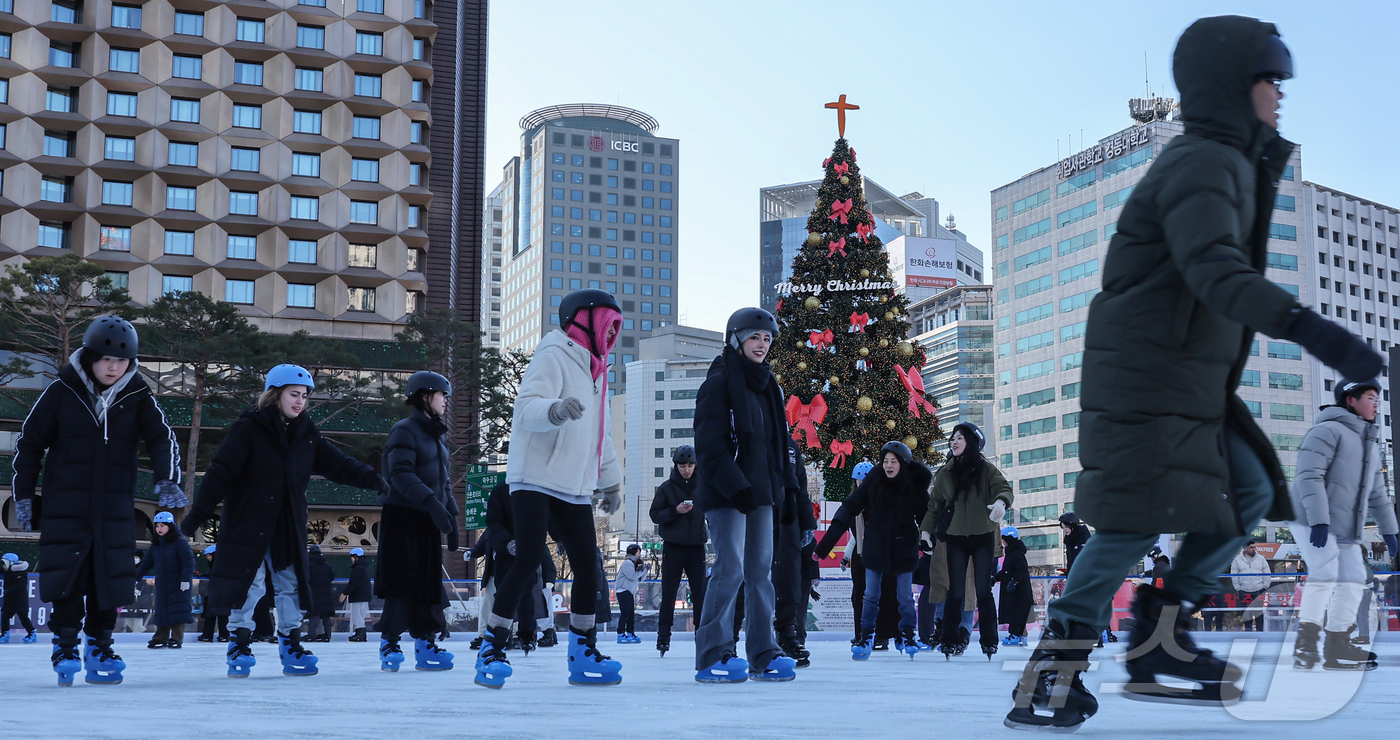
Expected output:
(164, 517)
(288, 375)
(1010, 532)
(11, 557)
(861, 470)
(210, 549)
(357, 552)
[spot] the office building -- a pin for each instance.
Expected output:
(492, 235)
(590, 202)
(955, 330)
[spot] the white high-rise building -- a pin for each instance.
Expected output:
(492, 224)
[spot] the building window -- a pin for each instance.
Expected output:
(419, 94)
(364, 212)
(366, 127)
(413, 300)
(370, 6)
(301, 296)
(364, 255)
(311, 37)
(252, 29)
(114, 239)
(419, 50)
(308, 78)
(416, 132)
(184, 109)
(53, 234)
(369, 86)
(124, 60)
(1286, 381)
(56, 189)
(120, 148)
(63, 55)
(242, 248)
(171, 284)
(179, 243)
(1076, 214)
(247, 116)
(58, 144)
(62, 99)
(189, 24)
(313, 3)
(126, 16)
(183, 154)
(247, 73)
(364, 170)
(4, 46)
(242, 203)
(301, 252)
(415, 260)
(187, 67)
(369, 43)
(308, 208)
(1284, 261)
(244, 159)
(420, 8)
(415, 174)
(361, 299)
(306, 122)
(1284, 232)
(238, 291)
(415, 217)
(306, 165)
(116, 193)
(1286, 411)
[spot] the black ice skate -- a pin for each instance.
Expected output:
(1160, 645)
(1050, 696)
(1342, 655)
(1305, 646)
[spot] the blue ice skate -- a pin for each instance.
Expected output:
(623, 639)
(240, 655)
(860, 649)
(103, 667)
(780, 668)
(1013, 641)
(390, 656)
(587, 666)
(66, 662)
(907, 644)
(430, 657)
(296, 660)
(728, 669)
(492, 668)
(31, 637)
(5, 637)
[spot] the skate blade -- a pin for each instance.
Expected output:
(1042, 724)
(433, 669)
(1352, 668)
(490, 685)
(772, 679)
(573, 682)
(1220, 695)
(102, 682)
(300, 673)
(719, 680)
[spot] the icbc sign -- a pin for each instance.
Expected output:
(625, 146)
(595, 143)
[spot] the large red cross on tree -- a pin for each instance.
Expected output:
(841, 106)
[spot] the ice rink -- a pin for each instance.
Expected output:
(184, 694)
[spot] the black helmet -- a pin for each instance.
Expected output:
(1345, 389)
(581, 299)
(749, 318)
(684, 455)
(972, 434)
(1275, 61)
(427, 380)
(900, 451)
(111, 336)
(1070, 518)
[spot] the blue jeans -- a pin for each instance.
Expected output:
(966, 620)
(903, 590)
(743, 546)
(285, 598)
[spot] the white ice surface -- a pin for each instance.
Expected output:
(184, 694)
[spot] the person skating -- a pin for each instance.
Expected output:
(418, 510)
(259, 474)
(356, 595)
(683, 536)
(1075, 535)
(561, 454)
(84, 433)
(16, 576)
(970, 498)
(627, 587)
(210, 621)
(746, 477)
(893, 500)
(171, 561)
(1165, 444)
(322, 610)
(790, 535)
(1016, 602)
(1339, 479)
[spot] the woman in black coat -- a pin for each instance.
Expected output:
(260, 474)
(418, 511)
(322, 596)
(84, 433)
(1015, 579)
(893, 500)
(171, 561)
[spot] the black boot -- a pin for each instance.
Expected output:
(475, 643)
(792, 647)
(1342, 655)
(1305, 646)
(1160, 644)
(549, 638)
(526, 637)
(1050, 695)
(359, 636)
(663, 640)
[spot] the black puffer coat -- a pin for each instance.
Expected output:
(358, 588)
(89, 468)
(674, 527)
(1015, 579)
(740, 451)
(260, 474)
(1184, 290)
(322, 592)
(893, 509)
(171, 561)
(1074, 543)
(410, 546)
(16, 586)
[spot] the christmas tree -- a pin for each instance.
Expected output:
(851, 375)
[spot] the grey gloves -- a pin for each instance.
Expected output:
(569, 409)
(612, 497)
(171, 495)
(24, 509)
(808, 536)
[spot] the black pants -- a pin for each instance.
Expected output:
(316, 625)
(75, 613)
(415, 618)
(22, 616)
(926, 613)
(627, 603)
(574, 525)
(1256, 624)
(977, 549)
(210, 622)
(789, 591)
(675, 560)
(173, 633)
(1215, 620)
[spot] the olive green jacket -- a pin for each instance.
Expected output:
(970, 512)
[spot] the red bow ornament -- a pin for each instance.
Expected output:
(841, 209)
(780, 304)
(842, 168)
(804, 418)
(853, 155)
(914, 384)
(826, 162)
(837, 246)
(841, 450)
(858, 321)
(865, 229)
(821, 339)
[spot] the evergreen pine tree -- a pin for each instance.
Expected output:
(844, 359)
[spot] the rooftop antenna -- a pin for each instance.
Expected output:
(1145, 79)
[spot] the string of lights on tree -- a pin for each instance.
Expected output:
(851, 376)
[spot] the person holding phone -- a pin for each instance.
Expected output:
(683, 535)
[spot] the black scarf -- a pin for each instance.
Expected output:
(745, 375)
(967, 469)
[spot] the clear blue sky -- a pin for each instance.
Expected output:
(956, 98)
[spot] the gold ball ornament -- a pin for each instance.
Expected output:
(911, 442)
(865, 273)
(884, 342)
(801, 366)
(932, 451)
(778, 377)
(864, 351)
(906, 349)
(884, 299)
(814, 239)
(802, 345)
(845, 180)
(864, 403)
(889, 315)
(812, 302)
(890, 424)
(834, 380)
